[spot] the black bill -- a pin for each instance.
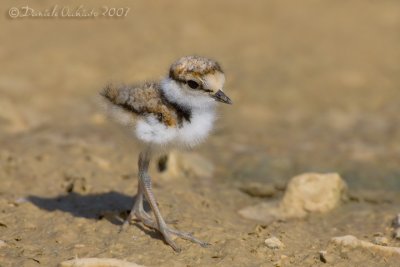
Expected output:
(222, 97)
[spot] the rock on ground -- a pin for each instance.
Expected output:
(352, 250)
(97, 262)
(381, 240)
(312, 192)
(309, 192)
(274, 243)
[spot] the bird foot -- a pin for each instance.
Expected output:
(139, 213)
(168, 232)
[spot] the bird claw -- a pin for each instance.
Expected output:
(140, 214)
(167, 232)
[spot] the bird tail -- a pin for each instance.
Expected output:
(111, 92)
(116, 97)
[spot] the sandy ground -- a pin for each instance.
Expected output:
(315, 87)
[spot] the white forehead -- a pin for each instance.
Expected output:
(214, 81)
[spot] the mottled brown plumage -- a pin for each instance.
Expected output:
(194, 66)
(146, 99)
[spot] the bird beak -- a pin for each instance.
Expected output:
(222, 97)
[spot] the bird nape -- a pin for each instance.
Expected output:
(176, 112)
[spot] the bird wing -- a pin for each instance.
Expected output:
(142, 100)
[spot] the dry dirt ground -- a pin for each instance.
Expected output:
(315, 85)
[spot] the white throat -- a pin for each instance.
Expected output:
(175, 94)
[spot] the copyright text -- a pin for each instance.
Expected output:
(67, 12)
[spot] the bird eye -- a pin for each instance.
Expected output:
(192, 84)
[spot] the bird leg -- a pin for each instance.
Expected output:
(162, 163)
(145, 187)
(137, 210)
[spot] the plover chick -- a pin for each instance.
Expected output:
(176, 112)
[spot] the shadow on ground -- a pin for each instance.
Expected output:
(112, 206)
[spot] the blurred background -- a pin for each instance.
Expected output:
(315, 86)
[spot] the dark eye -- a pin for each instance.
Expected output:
(192, 84)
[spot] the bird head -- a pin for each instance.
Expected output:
(199, 76)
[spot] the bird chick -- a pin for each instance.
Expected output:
(176, 112)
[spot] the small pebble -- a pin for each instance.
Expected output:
(381, 240)
(2, 244)
(274, 243)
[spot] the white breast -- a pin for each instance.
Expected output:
(150, 130)
(190, 133)
(194, 132)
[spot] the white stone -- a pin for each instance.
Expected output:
(350, 251)
(353, 242)
(306, 193)
(274, 243)
(97, 262)
(312, 192)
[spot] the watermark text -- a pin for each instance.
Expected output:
(67, 12)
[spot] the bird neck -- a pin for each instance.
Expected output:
(174, 94)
